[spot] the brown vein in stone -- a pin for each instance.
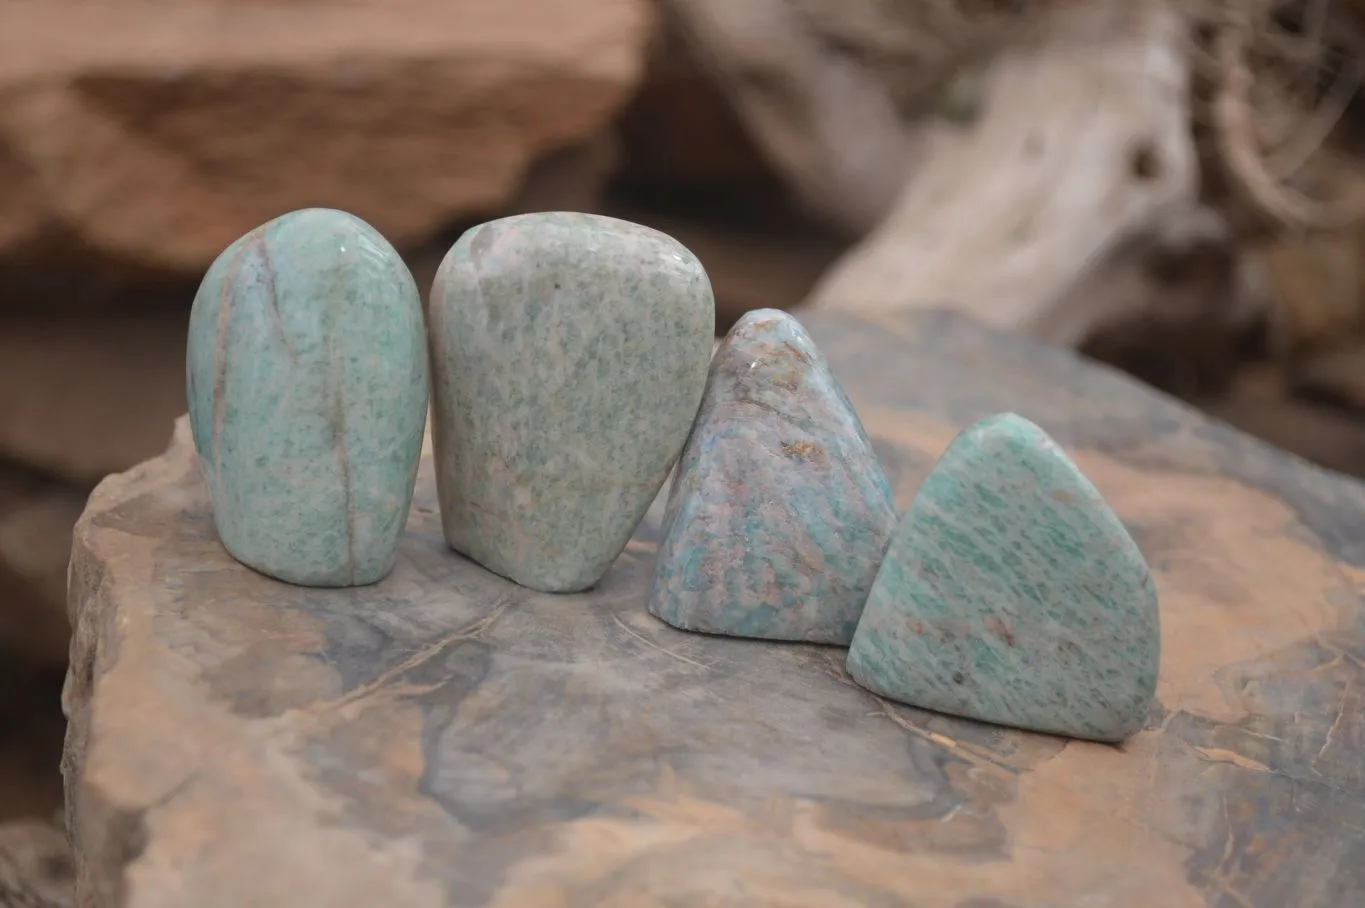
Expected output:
(968, 753)
(220, 364)
(268, 266)
(761, 405)
(389, 681)
(652, 645)
(337, 422)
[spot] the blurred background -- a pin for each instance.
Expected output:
(1173, 188)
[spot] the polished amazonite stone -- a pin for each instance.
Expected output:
(779, 513)
(569, 353)
(1012, 594)
(307, 377)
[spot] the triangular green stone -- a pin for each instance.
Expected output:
(1012, 594)
(779, 514)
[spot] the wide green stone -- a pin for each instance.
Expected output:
(569, 353)
(307, 382)
(780, 513)
(1011, 593)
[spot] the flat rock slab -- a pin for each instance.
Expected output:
(447, 738)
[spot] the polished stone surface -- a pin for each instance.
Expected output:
(569, 353)
(1012, 594)
(779, 513)
(307, 385)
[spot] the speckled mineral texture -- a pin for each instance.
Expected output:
(779, 514)
(307, 380)
(1012, 594)
(569, 354)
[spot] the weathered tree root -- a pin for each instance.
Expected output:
(35, 866)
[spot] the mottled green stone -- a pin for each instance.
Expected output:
(569, 353)
(1012, 594)
(780, 513)
(307, 382)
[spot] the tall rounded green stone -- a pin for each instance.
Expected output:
(307, 380)
(569, 353)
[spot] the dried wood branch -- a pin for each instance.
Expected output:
(1083, 149)
(35, 866)
(1251, 104)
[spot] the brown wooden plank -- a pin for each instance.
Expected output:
(446, 738)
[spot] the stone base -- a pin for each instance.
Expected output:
(447, 738)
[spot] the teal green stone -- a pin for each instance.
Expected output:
(779, 513)
(1012, 594)
(569, 353)
(307, 383)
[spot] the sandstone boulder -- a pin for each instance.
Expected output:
(151, 135)
(36, 517)
(84, 397)
(32, 626)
